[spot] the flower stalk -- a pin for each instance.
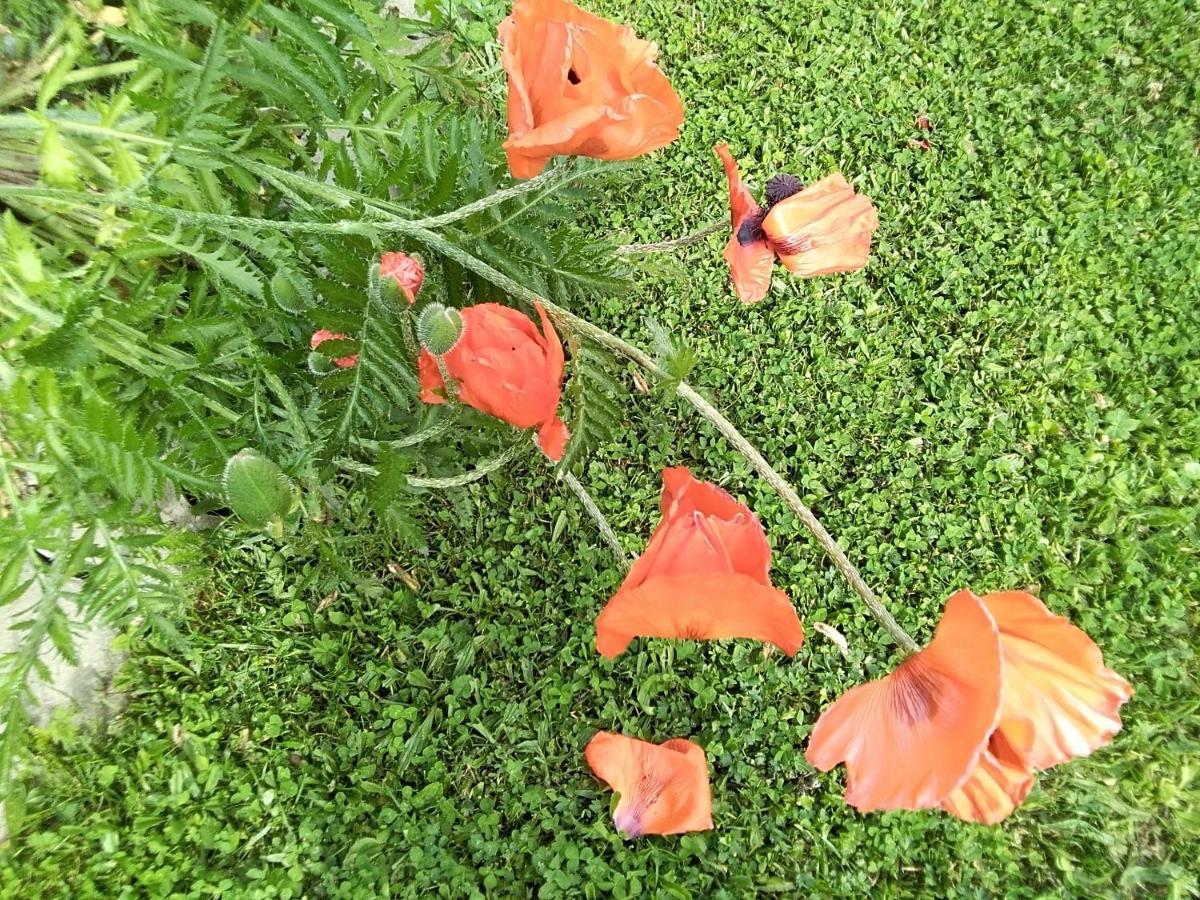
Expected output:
(667, 246)
(606, 530)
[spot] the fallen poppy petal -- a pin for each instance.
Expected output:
(663, 788)
(699, 607)
(750, 257)
(822, 230)
(909, 739)
(1055, 681)
(999, 783)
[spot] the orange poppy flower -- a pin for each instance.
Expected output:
(703, 576)
(504, 367)
(821, 229)
(920, 737)
(579, 85)
(405, 271)
(663, 788)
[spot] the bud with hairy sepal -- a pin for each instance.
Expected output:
(257, 490)
(439, 328)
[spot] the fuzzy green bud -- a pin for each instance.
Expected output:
(439, 328)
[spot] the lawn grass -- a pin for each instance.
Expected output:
(1008, 395)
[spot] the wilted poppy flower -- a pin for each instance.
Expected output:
(579, 85)
(505, 367)
(405, 271)
(816, 230)
(1004, 689)
(321, 336)
(663, 788)
(703, 576)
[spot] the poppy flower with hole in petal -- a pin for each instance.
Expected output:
(704, 575)
(405, 271)
(911, 738)
(821, 229)
(579, 85)
(503, 366)
(1056, 701)
(663, 788)
(322, 335)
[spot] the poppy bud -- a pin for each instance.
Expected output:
(439, 328)
(403, 273)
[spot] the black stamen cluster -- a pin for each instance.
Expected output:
(782, 186)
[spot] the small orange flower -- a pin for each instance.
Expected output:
(663, 788)
(321, 336)
(405, 271)
(504, 367)
(1004, 688)
(816, 230)
(579, 85)
(703, 576)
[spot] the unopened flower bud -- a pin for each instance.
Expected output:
(439, 328)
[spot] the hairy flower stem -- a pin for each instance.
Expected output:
(606, 530)
(485, 468)
(551, 179)
(702, 406)
(666, 246)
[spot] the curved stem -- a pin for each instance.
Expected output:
(810, 521)
(547, 180)
(702, 406)
(606, 530)
(485, 468)
(438, 428)
(665, 246)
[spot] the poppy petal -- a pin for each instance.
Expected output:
(1055, 681)
(430, 378)
(728, 524)
(663, 788)
(998, 785)
(552, 438)
(911, 738)
(741, 202)
(824, 229)
(698, 607)
(750, 268)
(749, 263)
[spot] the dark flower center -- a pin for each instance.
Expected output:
(751, 230)
(573, 76)
(781, 187)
